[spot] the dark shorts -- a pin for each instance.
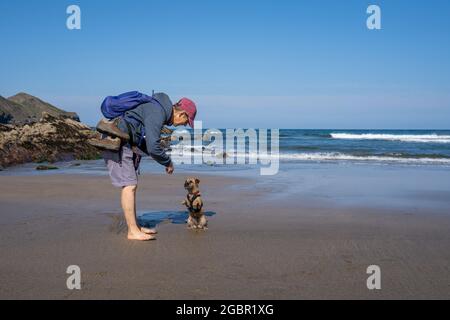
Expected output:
(122, 167)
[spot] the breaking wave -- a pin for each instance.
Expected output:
(427, 138)
(337, 156)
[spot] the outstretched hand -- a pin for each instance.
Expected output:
(169, 169)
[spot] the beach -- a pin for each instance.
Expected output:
(268, 239)
(318, 130)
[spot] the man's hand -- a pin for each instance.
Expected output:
(169, 168)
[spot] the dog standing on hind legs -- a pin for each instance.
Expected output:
(194, 204)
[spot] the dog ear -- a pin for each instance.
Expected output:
(197, 181)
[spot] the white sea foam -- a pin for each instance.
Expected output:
(348, 157)
(184, 148)
(335, 156)
(429, 138)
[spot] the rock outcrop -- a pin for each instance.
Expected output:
(50, 139)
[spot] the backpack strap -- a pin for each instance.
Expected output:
(130, 134)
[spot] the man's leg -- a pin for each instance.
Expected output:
(122, 171)
(129, 210)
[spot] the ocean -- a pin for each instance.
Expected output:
(374, 146)
(381, 146)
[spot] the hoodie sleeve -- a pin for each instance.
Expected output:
(154, 120)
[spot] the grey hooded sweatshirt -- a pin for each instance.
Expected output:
(149, 118)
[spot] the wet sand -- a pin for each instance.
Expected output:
(257, 247)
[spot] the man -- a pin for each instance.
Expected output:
(148, 118)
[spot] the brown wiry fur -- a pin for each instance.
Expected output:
(196, 220)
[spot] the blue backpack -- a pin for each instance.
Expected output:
(116, 106)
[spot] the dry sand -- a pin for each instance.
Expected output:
(255, 248)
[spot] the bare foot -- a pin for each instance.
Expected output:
(148, 231)
(141, 236)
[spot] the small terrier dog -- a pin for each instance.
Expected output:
(194, 204)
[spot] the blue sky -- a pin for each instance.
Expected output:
(254, 63)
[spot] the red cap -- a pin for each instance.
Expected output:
(189, 107)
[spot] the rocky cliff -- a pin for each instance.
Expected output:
(24, 108)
